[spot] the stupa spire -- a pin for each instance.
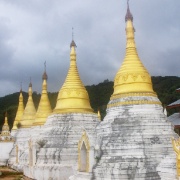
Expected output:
(5, 127)
(30, 111)
(5, 134)
(132, 77)
(20, 110)
(6, 121)
(73, 44)
(128, 16)
(44, 108)
(73, 96)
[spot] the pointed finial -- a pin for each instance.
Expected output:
(45, 66)
(6, 113)
(6, 120)
(21, 86)
(128, 14)
(45, 77)
(73, 44)
(30, 84)
(72, 33)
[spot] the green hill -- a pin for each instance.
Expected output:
(99, 96)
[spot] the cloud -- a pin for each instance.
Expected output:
(35, 31)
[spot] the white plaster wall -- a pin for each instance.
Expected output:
(46, 172)
(21, 139)
(58, 158)
(136, 143)
(13, 132)
(5, 149)
(91, 159)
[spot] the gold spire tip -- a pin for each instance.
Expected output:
(73, 44)
(72, 33)
(6, 114)
(45, 66)
(45, 77)
(128, 16)
(21, 86)
(30, 84)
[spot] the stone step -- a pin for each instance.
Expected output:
(81, 176)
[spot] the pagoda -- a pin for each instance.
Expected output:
(5, 134)
(66, 142)
(73, 96)
(135, 135)
(6, 143)
(19, 154)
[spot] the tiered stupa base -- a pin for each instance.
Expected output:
(19, 154)
(57, 156)
(136, 142)
(81, 176)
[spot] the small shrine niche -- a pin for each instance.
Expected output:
(83, 158)
(83, 153)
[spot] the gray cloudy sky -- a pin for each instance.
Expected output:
(35, 31)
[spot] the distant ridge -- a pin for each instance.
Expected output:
(99, 96)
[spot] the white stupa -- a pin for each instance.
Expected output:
(135, 136)
(66, 143)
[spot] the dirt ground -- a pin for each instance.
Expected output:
(9, 174)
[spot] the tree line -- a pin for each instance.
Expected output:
(99, 97)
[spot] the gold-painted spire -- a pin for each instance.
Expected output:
(73, 96)
(20, 111)
(99, 115)
(132, 77)
(5, 126)
(44, 108)
(29, 112)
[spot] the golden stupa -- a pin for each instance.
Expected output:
(20, 111)
(132, 77)
(29, 112)
(44, 108)
(5, 135)
(5, 126)
(73, 96)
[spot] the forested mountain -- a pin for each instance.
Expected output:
(99, 96)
